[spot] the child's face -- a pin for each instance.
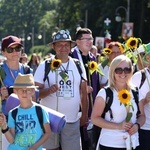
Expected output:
(24, 92)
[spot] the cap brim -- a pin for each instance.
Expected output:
(15, 43)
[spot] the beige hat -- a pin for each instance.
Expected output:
(24, 81)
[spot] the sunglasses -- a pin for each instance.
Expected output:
(126, 70)
(11, 49)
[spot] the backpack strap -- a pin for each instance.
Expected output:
(38, 112)
(136, 98)
(108, 103)
(14, 113)
(40, 116)
(78, 64)
(142, 78)
(26, 69)
(47, 70)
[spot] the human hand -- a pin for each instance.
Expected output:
(4, 92)
(147, 98)
(126, 125)
(133, 129)
(3, 123)
(54, 88)
(89, 89)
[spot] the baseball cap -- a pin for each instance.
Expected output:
(9, 41)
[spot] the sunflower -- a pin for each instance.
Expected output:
(55, 64)
(107, 51)
(132, 43)
(124, 97)
(121, 48)
(92, 65)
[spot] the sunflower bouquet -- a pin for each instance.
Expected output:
(125, 97)
(93, 66)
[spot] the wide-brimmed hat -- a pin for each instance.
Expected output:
(147, 51)
(9, 41)
(24, 81)
(61, 36)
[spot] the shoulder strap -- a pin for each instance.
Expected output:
(47, 70)
(78, 64)
(142, 78)
(136, 98)
(109, 100)
(26, 69)
(14, 113)
(40, 115)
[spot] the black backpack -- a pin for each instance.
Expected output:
(109, 100)
(47, 68)
(38, 112)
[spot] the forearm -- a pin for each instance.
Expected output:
(41, 141)
(9, 136)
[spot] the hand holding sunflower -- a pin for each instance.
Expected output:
(125, 97)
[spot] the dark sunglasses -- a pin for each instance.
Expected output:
(126, 70)
(11, 49)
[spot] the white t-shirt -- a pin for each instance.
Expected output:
(104, 79)
(136, 78)
(67, 98)
(115, 138)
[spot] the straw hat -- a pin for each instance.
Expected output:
(24, 81)
(61, 36)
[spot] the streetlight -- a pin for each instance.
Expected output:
(127, 12)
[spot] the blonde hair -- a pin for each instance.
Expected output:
(114, 64)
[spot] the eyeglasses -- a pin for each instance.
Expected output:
(11, 49)
(87, 39)
(126, 70)
(27, 91)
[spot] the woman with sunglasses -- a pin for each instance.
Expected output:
(117, 133)
(11, 48)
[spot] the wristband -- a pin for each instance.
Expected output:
(138, 125)
(5, 130)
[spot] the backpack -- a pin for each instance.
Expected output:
(109, 100)
(38, 112)
(47, 69)
(142, 78)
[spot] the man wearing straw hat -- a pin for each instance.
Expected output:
(24, 132)
(64, 91)
(142, 80)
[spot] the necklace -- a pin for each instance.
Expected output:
(65, 69)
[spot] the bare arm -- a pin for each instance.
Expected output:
(44, 92)
(84, 103)
(96, 118)
(10, 133)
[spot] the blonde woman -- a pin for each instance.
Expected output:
(116, 132)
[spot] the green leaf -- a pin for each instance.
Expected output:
(64, 75)
(128, 118)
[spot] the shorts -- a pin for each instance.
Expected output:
(68, 138)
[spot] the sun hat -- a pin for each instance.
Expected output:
(147, 51)
(24, 81)
(61, 36)
(9, 41)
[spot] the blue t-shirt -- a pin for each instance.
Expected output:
(10, 78)
(27, 128)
